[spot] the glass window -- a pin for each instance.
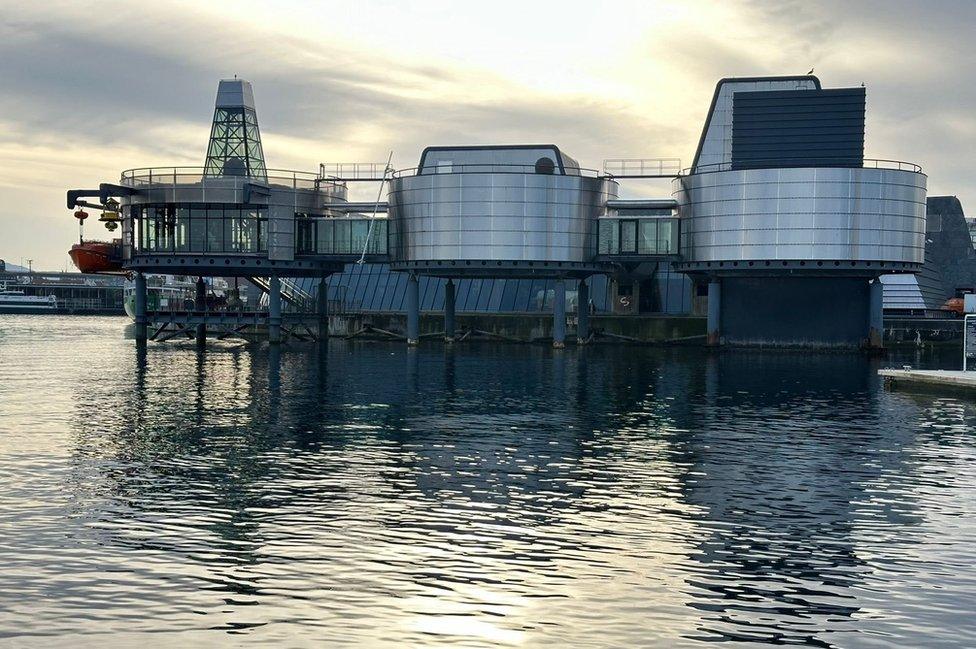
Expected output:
(262, 233)
(394, 299)
(667, 237)
(232, 219)
(198, 230)
(647, 245)
(215, 230)
(381, 282)
(495, 299)
(159, 220)
(181, 239)
(508, 297)
(522, 296)
(377, 244)
(429, 287)
(359, 228)
(462, 292)
(305, 238)
(628, 236)
(608, 236)
(343, 245)
(484, 294)
(248, 230)
(326, 236)
(537, 295)
(148, 231)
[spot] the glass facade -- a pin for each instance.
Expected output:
(215, 228)
(235, 144)
(316, 235)
(200, 228)
(637, 236)
(374, 287)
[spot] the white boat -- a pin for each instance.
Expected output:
(18, 302)
(163, 293)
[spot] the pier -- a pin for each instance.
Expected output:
(929, 380)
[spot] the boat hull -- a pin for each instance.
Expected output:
(96, 257)
(26, 310)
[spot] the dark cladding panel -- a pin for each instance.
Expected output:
(811, 311)
(798, 128)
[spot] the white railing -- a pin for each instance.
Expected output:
(354, 170)
(156, 177)
(642, 167)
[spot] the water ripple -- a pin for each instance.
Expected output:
(366, 494)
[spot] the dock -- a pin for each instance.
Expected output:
(930, 380)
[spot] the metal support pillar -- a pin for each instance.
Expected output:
(141, 320)
(413, 309)
(714, 326)
(323, 308)
(274, 310)
(582, 312)
(559, 315)
(876, 314)
(449, 311)
(200, 304)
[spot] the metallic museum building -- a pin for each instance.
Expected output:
(779, 230)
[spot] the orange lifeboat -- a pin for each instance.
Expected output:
(97, 256)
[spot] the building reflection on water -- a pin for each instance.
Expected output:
(671, 493)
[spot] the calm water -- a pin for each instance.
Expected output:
(367, 495)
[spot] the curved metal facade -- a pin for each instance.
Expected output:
(845, 214)
(496, 216)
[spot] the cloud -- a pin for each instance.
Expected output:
(88, 92)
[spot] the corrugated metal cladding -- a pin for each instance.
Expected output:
(798, 128)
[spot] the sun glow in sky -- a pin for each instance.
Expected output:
(91, 90)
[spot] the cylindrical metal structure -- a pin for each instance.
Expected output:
(322, 296)
(713, 326)
(559, 314)
(413, 309)
(274, 310)
(141, 323)
(583, 312)
(200, 305)
(876, 314)
(808, 214)
(449, 311)
(441, 222)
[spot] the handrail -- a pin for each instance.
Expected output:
(148, 177)
(170, 170)
(642, 167)
(866, 163)
(354, 170)
(492, 168)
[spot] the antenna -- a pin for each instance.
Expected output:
(376, 206)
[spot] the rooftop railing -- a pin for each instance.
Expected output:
(353, 170)
(642, 167)
(866, 163)
(156, 177)
(490, 168)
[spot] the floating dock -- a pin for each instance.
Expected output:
(929, 380)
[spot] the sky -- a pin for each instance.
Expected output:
(90, 89)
